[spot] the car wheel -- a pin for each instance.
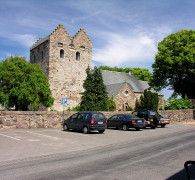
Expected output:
(153, 127)
(65, 127)
(101, 131)
(124, 127)
(137, 129)
(163, 125)
(85, 130)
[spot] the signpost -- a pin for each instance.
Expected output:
(64, 100)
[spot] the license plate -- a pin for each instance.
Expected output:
(139, 121)
(100, 122)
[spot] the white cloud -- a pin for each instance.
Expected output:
(24, 39)
(125, 48)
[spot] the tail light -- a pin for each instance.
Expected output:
(162, 121)
(106, 121)
(133, 121)
(92, 121)
(151, 120)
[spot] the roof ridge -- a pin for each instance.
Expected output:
(39, 41)
(117, 83)
(117, 72)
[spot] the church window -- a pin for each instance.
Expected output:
(77, 56)
(71, 46)
(82, 48)
(61, 53)
(126, 93)
(42, 55)
(34, 59)
(60, 44)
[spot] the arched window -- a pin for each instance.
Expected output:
(61, 53)
(125, 106)
(77, 56)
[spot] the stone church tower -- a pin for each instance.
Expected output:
(64, 60)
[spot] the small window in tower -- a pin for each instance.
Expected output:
(71, 46)
(77, 56)
(61, 53)
(82, 48)
(34, 59)
(60, 44)
(42, 55)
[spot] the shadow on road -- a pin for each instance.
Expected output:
(182, 175)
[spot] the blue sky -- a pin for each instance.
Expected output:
(124, 33)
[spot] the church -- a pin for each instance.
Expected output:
(64, 60)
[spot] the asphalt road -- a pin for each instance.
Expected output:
(115, 155)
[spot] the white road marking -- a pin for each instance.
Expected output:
(10, 137)
(42, 135)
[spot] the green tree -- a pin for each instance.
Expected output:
(140, 73)
(95, 96)
(174, 64)
(175, 104)
(112, 104)
(23, 84)
(148, 101)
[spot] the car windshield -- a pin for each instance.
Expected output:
(132, 116)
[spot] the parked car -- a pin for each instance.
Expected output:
(152, 118)
(126, 121)
(163, 122)
(86, 121)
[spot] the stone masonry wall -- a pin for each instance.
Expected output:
(53, 119)
(65, 70)
(123, 98)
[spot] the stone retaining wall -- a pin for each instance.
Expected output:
(53, 119)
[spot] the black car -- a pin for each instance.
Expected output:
(126, 121)
(151, 117)
(86, 121)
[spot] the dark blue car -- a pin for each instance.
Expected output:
(86, 121)
(126, 121)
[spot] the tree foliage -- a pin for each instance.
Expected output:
(148, 101)
(140, 73)
(95, 96)
(175, 104)
(23, 84)
(175, 64)
(111, 104)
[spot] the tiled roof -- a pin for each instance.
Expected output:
(39, 41)
(114, 81)
(113, 89)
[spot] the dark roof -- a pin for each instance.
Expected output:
(113, 89)
(114, 81)
(38, 42)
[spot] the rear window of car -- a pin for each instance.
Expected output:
(153, 113)
(98, 116)
(132, 116)
(135, 113)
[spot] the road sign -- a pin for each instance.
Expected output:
(64, 100)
